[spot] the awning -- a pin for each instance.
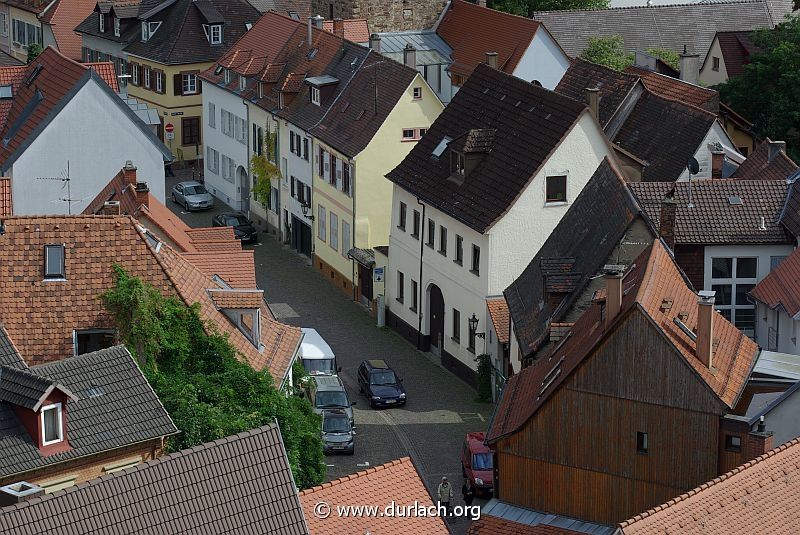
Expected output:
(365, 257)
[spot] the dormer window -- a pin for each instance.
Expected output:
(242, 83)
(227, 76)
(102, 23)
(315, 96)
(51, 422)
(456, 163)
(116, 27)
(54, 262)
(149, 29)
(260, 89)
(215, 34)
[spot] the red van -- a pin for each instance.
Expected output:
(476, 463)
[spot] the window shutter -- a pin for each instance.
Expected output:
(199, 83)
(177, 82)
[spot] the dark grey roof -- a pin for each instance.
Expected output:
(238, 484)
(25, 389)
(529, 122)
(115, 407)
(672, 27)
(790, 213)
(9, 356)
(576, 250)
(431, 49)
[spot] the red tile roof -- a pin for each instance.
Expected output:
(676, 89)
(759, 496)
(492, 525)
(6, 206)
(758, 167)
(736, 50)
(396, 481)
(356, 30)
(653, 278)
(781, 288)
(63, 16)
(10, 75)
(501, 319)
(244, 299)
(234, 267)
(106, 71)
(472, 31)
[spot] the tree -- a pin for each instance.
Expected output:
(768, 93)
(207, 391)
(608, 51)
(34, 50)
(264, 169)
(670, 57)
(526, 8)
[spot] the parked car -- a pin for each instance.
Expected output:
(477, 463)
(328, 392)
(337, 432)
(192, 195)
(316, 355)
(243, 228)
(380, 384)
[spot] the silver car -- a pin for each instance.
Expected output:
(192, 195)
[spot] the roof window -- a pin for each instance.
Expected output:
(34, 73)
(441, 146)
(213, 33)
(54, 262)
(149, 29)
(6, 91)
(734, 200)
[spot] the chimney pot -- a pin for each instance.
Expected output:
(775, 148)
(375, 42)
(717, 163)
(593, 101)
(613, 294)
(338, 28)
(142, 194)
(111, 208)
(410, 56)
(19, 492)
(491, 59)
(318, 20)
(129, 173)
(666, 227)
(705, 327)
(689, 67)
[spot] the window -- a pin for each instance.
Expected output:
(241, 131)
(334, 171)
(417, 92)
(227, 76)
(345, 238)
(408, 134)
(190, 130)
(441, 146)
(456, 326)
(159, 76)
(315, 97)
(321, 223)
(732, 279)
(413, 306)
(90, 340)
(401, 223)
(26, 34)
(274, 200)
(733, 443)
(258, 140)
(51, 424)
(189, 83)
(431, 233)
(459, 259)
(4, 24)
(54, 262)
(346, 178)
(556, 189)
(135, 74)
(476, 259)
(415, 232)
(212, 160)
(775, 261)
(305, 149)
(212, 115)
(291, 142)
(334, 236)
(116, 27)
(443, 240)
(456, 163)
(215, 35)
(146, 72)
(714, 63)
(401, 286)
(321, 161)
(470, 339)
(641, 442)
(102, 23)
(242, 83)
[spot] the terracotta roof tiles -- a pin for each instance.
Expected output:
(498, 312)
(492, 525)
(6, 204)
(758, 166)
(106, 71)
(676, 89)
(236, 298)
(736, 48)
(234, 267)
(63, 16)
(781, 287)
(355, 30)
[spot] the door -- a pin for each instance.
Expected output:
(244, 189)
(365, 284)
(305, 240)
(295, 234)
(436, 315)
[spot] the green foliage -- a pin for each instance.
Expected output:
(608, 51)
(526, 8)
(670, 57)
(484, 378)
(768, 93)
(265, 170)
(209, 393)
(33, 51)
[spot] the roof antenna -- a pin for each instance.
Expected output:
(65, 178)
(693, 166)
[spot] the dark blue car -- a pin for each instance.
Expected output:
(380, 384)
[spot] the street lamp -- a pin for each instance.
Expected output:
(306, 209)
(473, 326)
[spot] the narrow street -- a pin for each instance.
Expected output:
(440, 410)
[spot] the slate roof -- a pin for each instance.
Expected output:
(676, 89)
(790, 215)
(530, 120)
(9, 356)
(662, 26)
(25, 389)
(114, 406)
(396, 481)
(355, 30)
(714, 219)
(180, 39)
(7, 60)
(498, 312)
(126, 10)
(653, 277)
(757, 165)
(760, 495)
(736, 48)
(63, 16)
(6, 201)
(576, 250)
(238, 484)
(285, 7)
(472, 31)
(431, 49)
(781, 287)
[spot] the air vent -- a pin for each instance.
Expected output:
(735, 199)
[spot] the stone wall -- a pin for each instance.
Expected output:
(383, 15)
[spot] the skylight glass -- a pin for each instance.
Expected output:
(441, 146)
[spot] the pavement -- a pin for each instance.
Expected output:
(440, 409)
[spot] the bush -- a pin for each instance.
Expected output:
(484, 378)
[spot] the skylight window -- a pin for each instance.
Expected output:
(735, 199)
(441, 146)
(34, 73)
(6, 91)
(54, 262)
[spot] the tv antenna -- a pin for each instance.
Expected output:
(65, 179)
(693, 166)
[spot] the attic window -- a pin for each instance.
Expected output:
(51, 424)
(242, 82)
(213, 33)
(551, 376)
(248, 26)
(91, 340)
(149, 29)
(456, 163)
(102, 23)
(116, 27)
(6, 91)
(54, 262)
(734, 200)
(312, 53)
(34, 73)
(441, 146)
(227, 76)
(315, 95)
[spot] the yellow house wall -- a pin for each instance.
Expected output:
(325, 195)
(172, 108)
(20, 53)
(708, 75)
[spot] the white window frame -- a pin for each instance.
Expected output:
(159, 81)
(146, 75)
(733, 281)
(102, 23)
(57, 407)
(135, 75)
(116, 27)
(417, 92)
(145, 31)
(212, 155)
(333, 239)
(189, 84)
(242, 83)
(4, 24)
(315, 95)
(226, 76)
(215, 34)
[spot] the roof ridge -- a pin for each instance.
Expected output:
(711, 483)
(623, 8)
(350, 477)
(503, 13)
(692, 107)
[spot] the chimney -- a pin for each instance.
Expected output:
(310, 37)
(775, 148)
(111, 208)
(129, 173)
(482, 3)
(759, 442)
(338, 28)
(593, 101)
(375, 42)
(410, 56)
(613, 293)
(690, 67)
(318, 20)
(491, 59)
(705, 327)
(666, 219)
(19, 492)
(142, 194)
(717, 163)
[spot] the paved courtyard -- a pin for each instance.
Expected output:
(440, 408)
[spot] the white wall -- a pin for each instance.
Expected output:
(784, 327)
(716, 134)
(97, 137)
(543, 60)
(225, 190)
(296, 167)
(763, 252)
(784, 420)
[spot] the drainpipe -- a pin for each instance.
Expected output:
(247, 162)
(353, 226)
(419, 284)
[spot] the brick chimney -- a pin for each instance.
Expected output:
(338, 28)
(142, 194)
(19, 492)
(410, 56)
(689, 67)
(111, 208)
(375, 42)
(759, 442)
(717, 163)
(593, 101)
(775, 148)
(318, 21)
(491, 59)
(129, 173)
(613, 294)
(705, 327)
(666, 219)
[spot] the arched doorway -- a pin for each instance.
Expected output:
(436, 318)
(244, 189)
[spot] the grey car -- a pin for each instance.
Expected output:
(337, 432)
(192, 195)
(327, 392)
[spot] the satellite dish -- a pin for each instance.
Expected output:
(693, 166)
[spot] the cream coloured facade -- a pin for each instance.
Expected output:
(23, 28)
(713, 70)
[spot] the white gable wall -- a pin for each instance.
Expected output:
(716, 134)
(97, 137)
(543, 60)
